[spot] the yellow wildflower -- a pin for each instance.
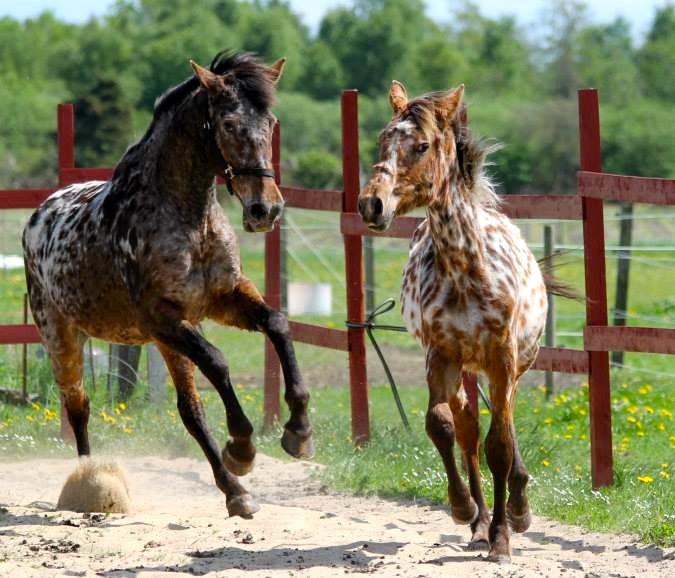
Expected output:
(645, 479)
(632, 409)
(631, 419)
(484, 411)
(641, 434)
(664, 475)
(548, 420)
(663, 412)
(545, 463)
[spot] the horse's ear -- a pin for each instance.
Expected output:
(450, 103)
(277, 69)
(398, 96)
(212, 82)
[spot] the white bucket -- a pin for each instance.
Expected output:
(310, 299)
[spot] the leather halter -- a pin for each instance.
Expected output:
(230, 173)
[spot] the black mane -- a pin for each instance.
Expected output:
(252, 79)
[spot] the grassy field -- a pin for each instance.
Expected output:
(553, 434)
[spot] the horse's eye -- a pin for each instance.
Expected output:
(422, 148)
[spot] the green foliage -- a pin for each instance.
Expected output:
(521, 87)
(103, 120)
(318, 169)
(657, 56)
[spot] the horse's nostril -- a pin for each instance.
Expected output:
(371, 208)
(362, 206)
(275, 210)
(258, 210)
(378, 207)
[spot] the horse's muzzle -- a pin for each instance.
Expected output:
(260, 217)
(371, 210)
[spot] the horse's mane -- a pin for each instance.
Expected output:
(252, 76)
(472, 151)
(253, 81)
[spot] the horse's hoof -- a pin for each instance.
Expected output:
(499, 558)
(297, 446)
(478, 544)
(236, 465)
(466, 514)
(243, 506)
(519, 522)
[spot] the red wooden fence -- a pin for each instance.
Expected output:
(593, 187)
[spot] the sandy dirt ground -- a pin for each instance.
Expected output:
(180, 528)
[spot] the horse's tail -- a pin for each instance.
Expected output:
(554, 285)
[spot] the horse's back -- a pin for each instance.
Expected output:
(69, 266)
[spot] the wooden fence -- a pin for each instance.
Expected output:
(593, 188)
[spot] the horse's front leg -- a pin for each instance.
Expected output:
(443, 379)
(245, 308)
(167, 328)
(239, 502)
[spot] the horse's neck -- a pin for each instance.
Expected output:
(177, 164)
(453, 226)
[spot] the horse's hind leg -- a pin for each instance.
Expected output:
(518, 507)
(64, 343)
(239, 502)
(443, 378)
(467, 428)
(245, 308)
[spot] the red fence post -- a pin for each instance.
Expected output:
(596, 294)
(65, 136)
(272, 386)
(65, 140)
(358, 379)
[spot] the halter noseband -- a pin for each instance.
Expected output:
(230, 173)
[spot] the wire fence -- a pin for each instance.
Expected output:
(315, 254)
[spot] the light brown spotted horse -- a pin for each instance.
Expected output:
(149, 254)
(473, 295)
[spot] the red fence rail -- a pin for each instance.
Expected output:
(593, 187)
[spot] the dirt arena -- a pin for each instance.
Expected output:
(180, 528)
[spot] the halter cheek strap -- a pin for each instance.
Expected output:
(230, 173)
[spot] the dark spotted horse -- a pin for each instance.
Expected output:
(146, 256)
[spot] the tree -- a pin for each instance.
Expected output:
(376, 41)
(657, 57)
(272, 30)
(605, 59)
(322, 75)
(103, 123)
(318, 169)
(564, 21)
(497, 56)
